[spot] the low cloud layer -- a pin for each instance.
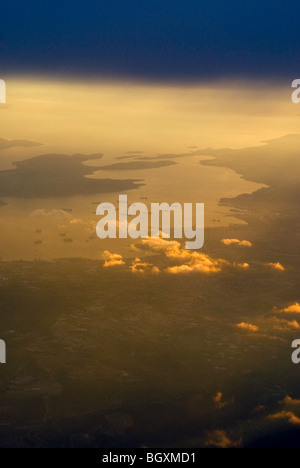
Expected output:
(177, 260)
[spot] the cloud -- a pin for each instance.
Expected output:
(289, 415)
(242, 243)
(193, 261)
(218, 400)
(288, 401)
(220, 439)
(186, 261)
(76, 221)
(134, 248)
(243, 266)
(112, 259)
(290, 404)
(157, 244)
(277, 266)
(281, 324)
(141, 267)
(247, 326)
(292, 324)
(5, 144)
(203, 265)
(294, 308)
(42, 212)
(258, 409)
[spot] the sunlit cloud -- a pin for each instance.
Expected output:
(247, 326)
(277, 266)
(288, 401)
(220, 439)
(112, 259)
(186, 261)
(90, 227)
(203, 265)
(289, 415)
(284, 325)
(134, 248)
(157, 244)
(141, 267)
(293, 308)
(258, 409)
(218, 400)
(193, 261)
(76, 221)
(242, 243)
(243, 266)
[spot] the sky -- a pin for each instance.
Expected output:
(151, 40)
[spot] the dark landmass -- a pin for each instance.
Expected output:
(272, 213)
(163, 156)
(265, 163)
(57, 175)
(102, 357)
(125, 157)
(136, 165)
(117, 359)
(130, 155)
(167, 156)
(275, 163)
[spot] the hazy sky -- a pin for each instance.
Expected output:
(113, 118)
(162, 122)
